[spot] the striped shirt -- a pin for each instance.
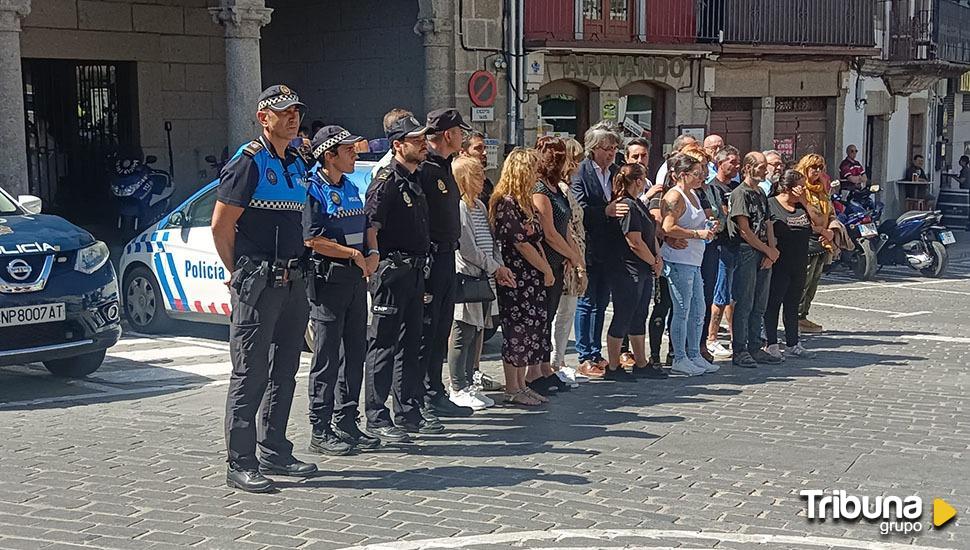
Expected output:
(483, 235)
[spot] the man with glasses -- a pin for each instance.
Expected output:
(776, 166)
(851, 172)
(712, 144)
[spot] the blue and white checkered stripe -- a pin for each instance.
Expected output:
(149, 242)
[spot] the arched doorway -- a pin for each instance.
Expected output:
(563, 109)
(642, 112)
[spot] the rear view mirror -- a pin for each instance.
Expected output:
(31, 203)
(177, 219)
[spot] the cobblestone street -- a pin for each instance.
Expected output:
(132, 458)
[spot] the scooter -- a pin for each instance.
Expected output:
(143, 193)
(916, 239)
(859, 212)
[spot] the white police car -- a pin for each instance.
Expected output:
(172, 271)
(58, 291)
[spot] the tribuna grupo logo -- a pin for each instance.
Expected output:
(895, 514)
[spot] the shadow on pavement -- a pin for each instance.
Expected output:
(430, 479)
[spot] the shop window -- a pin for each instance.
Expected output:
(558, 115)
(592, 9)
(639, 109)
(619, 10)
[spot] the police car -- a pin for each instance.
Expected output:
(172, 271)
(58, 291)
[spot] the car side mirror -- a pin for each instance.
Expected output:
(31, 203)
(177, 219)
(151, 159)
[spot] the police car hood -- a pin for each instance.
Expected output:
(39, 232)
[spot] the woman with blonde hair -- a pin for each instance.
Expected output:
(477, 256)
(821, 246)
(522, 308)
(574, 278)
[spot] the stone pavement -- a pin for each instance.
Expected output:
(132, 458)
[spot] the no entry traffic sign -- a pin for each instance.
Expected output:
(482, 89)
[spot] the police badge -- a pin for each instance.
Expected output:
(335, 198)
(442, 187)
(407, 199)
(271, 176)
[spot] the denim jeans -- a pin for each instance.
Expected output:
(687, 294)
(591, 312)
(725, 275)
(750, 292)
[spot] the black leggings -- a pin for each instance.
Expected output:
(630, 310)
(553, 295)
(787, 281)
(663, 310)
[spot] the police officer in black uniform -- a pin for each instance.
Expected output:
(257, 230)
(445, 136)
(334, 225)
(398, 215)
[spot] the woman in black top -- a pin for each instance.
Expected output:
(553, 212)
(636, 263)
(793, 218)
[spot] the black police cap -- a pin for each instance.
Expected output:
(440, 120)
(405, 127)
(329, 137)
(278, 98)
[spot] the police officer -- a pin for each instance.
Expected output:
(444, 142)
(333, 228)
(257, 230)
(398, 215)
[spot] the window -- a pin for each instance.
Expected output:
(619, 10)
(557, 115)
(639, 109)
(199, 213)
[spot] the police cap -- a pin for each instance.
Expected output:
(440, 120)
(405, 127)
(330, 137)
(279, 98)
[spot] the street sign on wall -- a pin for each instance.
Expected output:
(482, 89)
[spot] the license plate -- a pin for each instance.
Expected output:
(946, 237)
(868, 229)
(31, 315)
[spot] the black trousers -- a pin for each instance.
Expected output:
(712, 255)
(787, 282)
(553, 295)
(663, 310)
(339, 345)
(265, 341)
(393, 342)
(438, 317)
(630, 310)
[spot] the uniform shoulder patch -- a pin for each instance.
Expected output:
(383, 174)
(252, 148)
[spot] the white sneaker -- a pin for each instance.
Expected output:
(775, 351)
(570, 381)
(799, 351)
(574, 374)
(718, 350)
(704, 364)
(686, 367)
(477, 394)
(486, 382)
(464, 398)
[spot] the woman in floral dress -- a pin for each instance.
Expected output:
(522, 308)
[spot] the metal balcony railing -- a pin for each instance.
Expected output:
(938, 31)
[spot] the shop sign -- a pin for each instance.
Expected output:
(785, 147)
(585, 66)
(610, 108)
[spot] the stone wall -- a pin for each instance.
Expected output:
(351, 61)
(179, 55)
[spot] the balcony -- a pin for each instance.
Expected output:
(925, 40)
(740, 25)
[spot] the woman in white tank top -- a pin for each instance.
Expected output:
(684, 218)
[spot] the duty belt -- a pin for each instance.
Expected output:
(410, 260)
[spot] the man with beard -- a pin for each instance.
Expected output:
(776, 165)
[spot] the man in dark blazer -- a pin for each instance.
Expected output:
(592, 187)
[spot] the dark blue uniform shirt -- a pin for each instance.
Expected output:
(397, 207)
(334, 211)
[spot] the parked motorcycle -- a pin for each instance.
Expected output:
(143, 193)
(859, 212)
(916, 239)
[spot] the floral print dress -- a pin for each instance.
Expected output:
(522, 309)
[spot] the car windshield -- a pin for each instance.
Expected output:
(7, 205)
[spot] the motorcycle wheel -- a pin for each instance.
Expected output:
(940, 260)
(865, 261)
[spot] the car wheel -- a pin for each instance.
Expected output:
(143, 302)
(76, 367)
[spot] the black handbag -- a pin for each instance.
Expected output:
(473, 290)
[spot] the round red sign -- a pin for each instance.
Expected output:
(482, 89)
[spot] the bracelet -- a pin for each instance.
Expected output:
(696, 234)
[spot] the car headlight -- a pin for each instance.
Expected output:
(91, 258)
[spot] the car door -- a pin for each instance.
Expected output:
(188, 265)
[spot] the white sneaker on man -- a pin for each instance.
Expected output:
(799, 351)
(566, 378)
(775, 351)
(464, 398)
(477, 394)
(718, 350)
(686, 367)
(705, 364)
